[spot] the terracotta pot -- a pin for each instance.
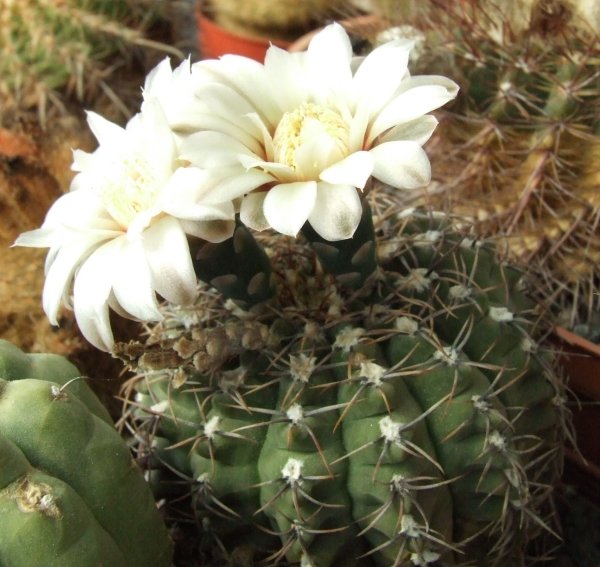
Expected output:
(580, 361)
(215, 40)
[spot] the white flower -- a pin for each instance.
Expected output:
(119, 236)
(174, 90)
(316, 125)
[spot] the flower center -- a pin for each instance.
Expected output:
(130, 190)
(300, 126)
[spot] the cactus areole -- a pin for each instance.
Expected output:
(412, 418)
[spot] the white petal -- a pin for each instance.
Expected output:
(132, 281)
(106, 132)
(328, 60)
(267, 139)
(286, 70)
(337, 211)
(354, 170)
(168, 255)
(158, 78)
(60, 273)
(380, 74)
(213, 231)
(244, 75)
(418, 130)
(277, 171)
(225, 102)
(149, 135)
(212, 149)
(238, 184)
(418, 96)
(82, 160)
(251, 211)
(194, 194)
(288, 206)
(90, 296)
(403, 165)
(39, 238)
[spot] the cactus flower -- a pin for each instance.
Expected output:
(118, 237)
(319, 124)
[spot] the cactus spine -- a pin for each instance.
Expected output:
(517, 152)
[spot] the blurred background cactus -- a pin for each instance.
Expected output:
(53, 48)
(284, 19)
(518, 150)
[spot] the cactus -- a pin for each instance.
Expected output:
(517, 154)
(51, 47)
(70, 493)
(411, 417)
(285, 19)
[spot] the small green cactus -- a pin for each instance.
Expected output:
(409, 419)
(70, 493)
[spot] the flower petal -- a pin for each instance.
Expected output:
(195, 194)
(287, 71)
(105, 131)
(418, 130)
(418, 96)
(212, 231)
(168, 255)
(60, 271)
(246, 77)
(401, 164)
(337, 211)
(328, 60)
(277, 171)
(90, 296)
(288, 206)
(212, 149)
(354, 170)
(251, 211)
(132, 280)
(380, 73)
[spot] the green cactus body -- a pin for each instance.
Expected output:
(70, 493)
(414, 420)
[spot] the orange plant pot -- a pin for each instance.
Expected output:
(214, 41)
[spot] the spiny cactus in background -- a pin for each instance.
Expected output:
(284, 19)
(411, 418)
(52, 45)
(518, 152)
(70, 493)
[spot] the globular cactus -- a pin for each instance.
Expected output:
(51, 47)
(517, 155)
(70, 493)
(412, 419)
